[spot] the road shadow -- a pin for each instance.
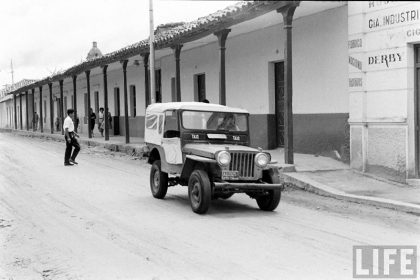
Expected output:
(221, 207)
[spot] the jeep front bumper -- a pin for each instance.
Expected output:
(246, 186)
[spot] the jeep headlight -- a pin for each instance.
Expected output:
(262, 159)
(223, 158)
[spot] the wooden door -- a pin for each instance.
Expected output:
(279, 101)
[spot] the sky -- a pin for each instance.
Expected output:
(44, 36)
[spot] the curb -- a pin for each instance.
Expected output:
(302, 182)
(129, 149)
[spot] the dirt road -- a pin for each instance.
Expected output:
(98, 220)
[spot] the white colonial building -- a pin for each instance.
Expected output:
(353, 69)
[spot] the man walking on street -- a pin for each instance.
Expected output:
(71, 141)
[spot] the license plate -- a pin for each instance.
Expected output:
(230, 175)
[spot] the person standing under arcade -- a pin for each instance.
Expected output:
(71, 141)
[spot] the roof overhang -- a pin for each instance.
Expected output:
(193, 106)
(189, 32)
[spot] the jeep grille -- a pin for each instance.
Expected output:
(244, 163)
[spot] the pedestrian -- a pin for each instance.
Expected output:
(110, 120)
(57, 124)
(101, 123)
(92, 120)
(36, 120)
(71, 141)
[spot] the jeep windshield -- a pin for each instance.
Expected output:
(214, 121)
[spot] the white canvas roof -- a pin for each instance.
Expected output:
(199, 106)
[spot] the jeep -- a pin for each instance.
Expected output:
(206, 147)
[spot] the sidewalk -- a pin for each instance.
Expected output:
(329, 177)
(321, 175)
(115, 143)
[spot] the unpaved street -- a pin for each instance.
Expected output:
(98, 220)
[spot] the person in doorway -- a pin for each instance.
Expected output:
(57, 124)
(110, 120)
(71, 141)
(36, 120)
(92, 116)
(101, 122)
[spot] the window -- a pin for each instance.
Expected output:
(133, 110)
(160, 124)
(151, 121)
(224, 121)
(65, 104)
(199, 87)
(171, 125)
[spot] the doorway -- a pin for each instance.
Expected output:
(117, 102)
(279, 101)
(58, 109)
(116, 118)
(158, 83)
(200, 87)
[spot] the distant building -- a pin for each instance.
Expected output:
(9, 88)
(94, 52)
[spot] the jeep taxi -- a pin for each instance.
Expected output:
(206, 147)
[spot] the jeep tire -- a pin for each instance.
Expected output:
(199, 191)
(271, 200)
(158, 180)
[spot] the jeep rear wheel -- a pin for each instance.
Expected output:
(199, 191)
(271, 200)
(158, 180)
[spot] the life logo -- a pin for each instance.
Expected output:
(385, 261)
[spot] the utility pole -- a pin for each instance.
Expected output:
(152, 55)
(11, 67)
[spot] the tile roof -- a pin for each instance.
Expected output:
(180, 33)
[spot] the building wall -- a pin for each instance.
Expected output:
(319, 74)
(6, 112)
(381, 86)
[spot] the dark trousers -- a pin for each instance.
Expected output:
(69, 145)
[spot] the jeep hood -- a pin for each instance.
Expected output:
(209, 150)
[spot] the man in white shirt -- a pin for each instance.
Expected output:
(71, 141)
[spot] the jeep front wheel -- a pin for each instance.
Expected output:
(158, 180)
(199, 191)
(271, 200)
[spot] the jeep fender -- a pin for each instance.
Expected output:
(157, 152)
(270, 173)
(193, 162)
